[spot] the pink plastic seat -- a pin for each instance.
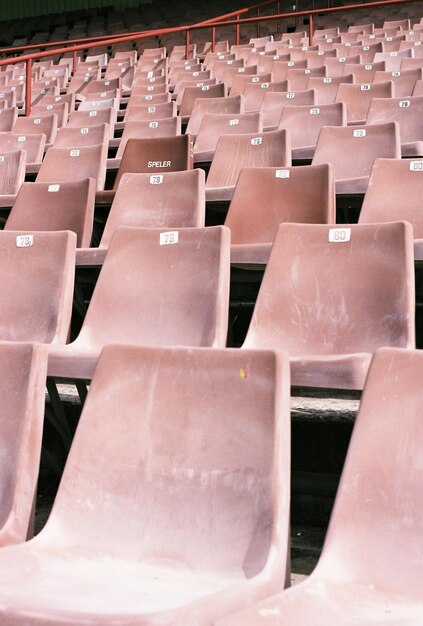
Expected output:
(170, 200)
(176, 282)
(358, 98)
(68, 97)
(231, 104)
(150, 112)
(365, 72)
(23, 370)
(70, 137)
(264, 197)
(234, 152)
(145, 129)
(305, 123)
(298, 78)
(326, 88)
(407, 112)
(67, 164)
(189, 544)
(12, 175)
(393, 60)
(7, 119)
(214, 125)
(241, 81)
(403, 81)
(61, 109)
(156, 156)
(331, 333)
(254, 93)
(60, 206)
(192, 94)
(37, 279)
(375, 517)
(86, 119)
(394, 193)
(33, 145)
(367, 143)
(46, 125)
(275, 102)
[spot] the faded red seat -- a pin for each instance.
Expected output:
(164, 270)
(12, 175)
(46, 125)
(358, 98)
(145, 129)
(60, 206)
(166, 492)
(234, 152)
(393, 193)
(33, 145)
(67, 164)
(372, 305)
(264, 197)
(71, 137)
(408, 113)
(213, 125)
(7, 118)
(374, 519)
(275, 102)
(23, 370)
(336, 144)
(326, 88)
(231, 104)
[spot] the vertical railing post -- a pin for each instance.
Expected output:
(258, 23)
(278, 22)
(75, 62)
(187, 35)
(28, 87)
(310, 30)
(213, 42)
(237, 28)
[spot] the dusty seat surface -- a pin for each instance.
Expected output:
(375, 517)
(67, 164)
(167, 474)
(176, 282)
(331, 307)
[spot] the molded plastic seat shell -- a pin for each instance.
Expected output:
(408, 113)
(213, 125)
(331, 296)
(67, 164)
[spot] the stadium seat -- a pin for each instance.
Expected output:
(164, 271)
(326, 88)
(403, 81)
(156, 156)
(23, 370)
(254, 93)
(305, 123)
(61, 109)
(46, 125)
(393, 194)
(70, 164)
(60, 206)
(231, 104)
(167, 472)
(86, 119)
(150, 112)
(170, 200)
(407, 112)
(275, 102)
(336, 144)
(37, 280)
(192, 94)
(234, 152)
(12, 174)
(32, 145)
(7, 119)
(69, 137)
(264, 197)
(298, 78)
(331, 296)
(357, 98)
(213, 125)
(374, 520)
(146, 129)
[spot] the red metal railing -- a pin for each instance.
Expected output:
(28, 58)
(104, 38)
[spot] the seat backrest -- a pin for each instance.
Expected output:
(97, 105)
(214, 125)
(51, 99)
(7, 118)
(255, 92)
(37, 279)
(60, 206)
(393, 193)
(231, 104)
(61, 109)
(305, 122)
(336, 290)
(151, 111)
(23, 371)
(378, 506)
(326, 87)
(12, 171)
(164, 270)
(86, 136)
(298, 78)
(358, 97)
(275, 102)
(170, 200)
(407, 112)
(234, 152)
(265, 197)
(174, 460)
(66, 164)
(336, 144)
(32, 145)
(192, 94)
(364, 72)
(46, 125)
(156, 155)
(84, 119)
(145, 129)
(403, 81)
